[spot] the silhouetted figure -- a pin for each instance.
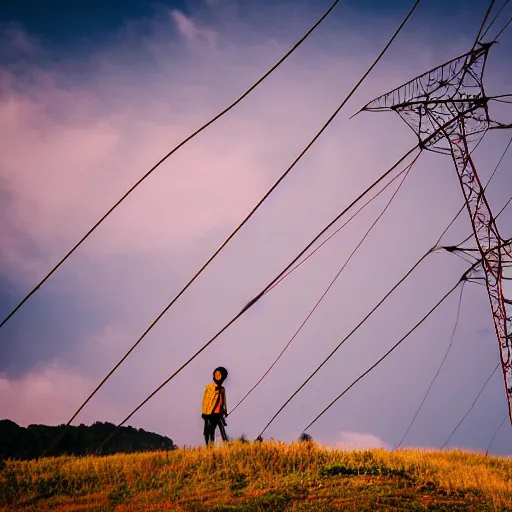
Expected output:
(214, 406)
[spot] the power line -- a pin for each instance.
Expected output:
(504, 206)
(484, 21)
(330, 285)
(499, 163)
(438, 371)
(502, 156)
(332, 235)
(504, 28)
(471, 407)
(409, 272)
(435, 247)
(176, 148)
(500, 10)
(389, 351)
(246, 219)
(466, 259)
(495, 434)
(462, 279)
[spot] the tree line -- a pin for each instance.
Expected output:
(34, 441)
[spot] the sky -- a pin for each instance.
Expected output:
(92, 97)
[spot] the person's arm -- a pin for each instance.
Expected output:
(205, 402)
(224, 403)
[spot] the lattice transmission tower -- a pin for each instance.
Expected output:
(450, 99)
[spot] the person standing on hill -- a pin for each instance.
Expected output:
(214, 406)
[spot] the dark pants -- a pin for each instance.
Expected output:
(211, 421)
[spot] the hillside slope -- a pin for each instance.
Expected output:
(258, 477)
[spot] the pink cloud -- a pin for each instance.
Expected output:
(47, 395)
(64, 172)
(360, 441)
(18, 41)
(192, 31)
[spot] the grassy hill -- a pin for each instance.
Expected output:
(266, 476)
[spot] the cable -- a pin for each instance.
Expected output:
(435, 247)
(382, 190)
(498, 164)
(471, 408)
(501, 211)
(459, 254)
(330, 285)
(388, 352)
(461, 280)
(335, 232)
(409, 272)
(503, 29)
(438, 371)
(364, 206)
(268, 193)
(181, 144)
(487, 13)
(508, 202)
(478, 283)
(495, 434)
(495, 18)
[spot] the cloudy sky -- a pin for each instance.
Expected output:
(92, 96)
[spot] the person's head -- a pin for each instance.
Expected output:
(219, 375)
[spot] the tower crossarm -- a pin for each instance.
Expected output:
(439, 95)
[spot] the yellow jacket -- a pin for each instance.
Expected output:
(211, 399)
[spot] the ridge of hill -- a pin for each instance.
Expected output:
(18, 442)
(267, 476)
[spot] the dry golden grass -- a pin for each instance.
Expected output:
(260, 476)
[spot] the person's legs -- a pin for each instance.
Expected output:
(222, 430)
(217, 419)
(205, 431)
(209, 430)
(212, 430)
